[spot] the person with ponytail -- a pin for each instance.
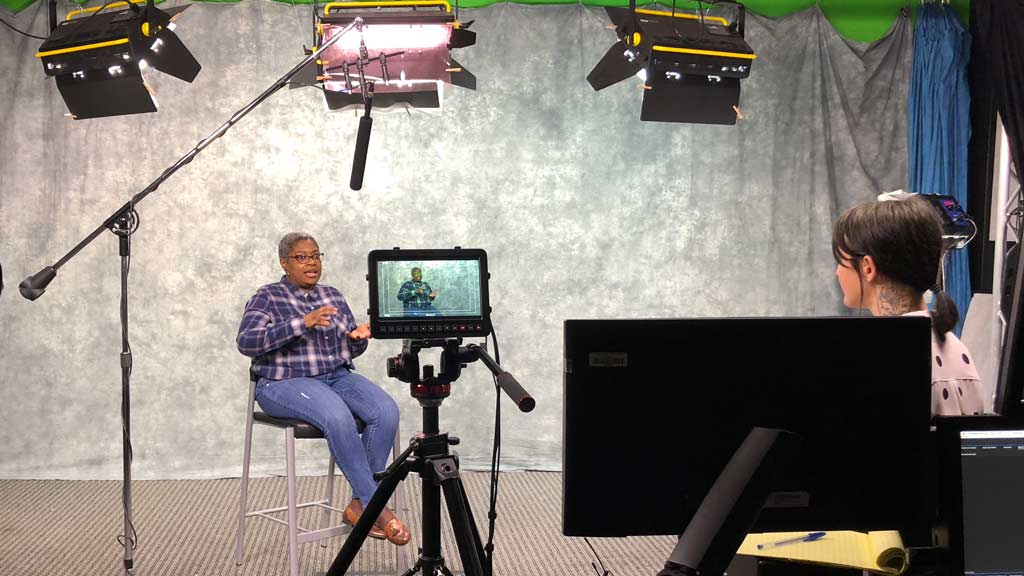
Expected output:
(888, 255)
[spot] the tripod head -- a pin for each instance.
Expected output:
(431, 388)
(406, 367)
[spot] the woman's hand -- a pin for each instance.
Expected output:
(320, 316)
(362, 332)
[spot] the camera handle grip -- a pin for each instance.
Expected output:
(515, 391)
(506, 381)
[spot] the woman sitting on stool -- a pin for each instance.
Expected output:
(302, 337)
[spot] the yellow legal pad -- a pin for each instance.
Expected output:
(880, 552)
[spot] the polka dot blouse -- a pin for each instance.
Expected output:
(956, 387)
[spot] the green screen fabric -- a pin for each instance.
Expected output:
(860, 20)
(15, 5)
(19, 5)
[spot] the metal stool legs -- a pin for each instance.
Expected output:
(296, 533)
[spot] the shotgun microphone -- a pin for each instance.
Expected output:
(362, 146)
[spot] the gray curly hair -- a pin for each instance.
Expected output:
(284, 247)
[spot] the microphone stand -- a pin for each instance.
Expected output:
(123, 223)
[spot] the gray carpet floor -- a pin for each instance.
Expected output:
(187, 528)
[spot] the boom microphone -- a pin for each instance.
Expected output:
(362, 145)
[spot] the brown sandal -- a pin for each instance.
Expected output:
(350, 517)
(396, 532)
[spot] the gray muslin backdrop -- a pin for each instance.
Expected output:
(585, 212)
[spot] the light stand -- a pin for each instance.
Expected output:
(124, 222)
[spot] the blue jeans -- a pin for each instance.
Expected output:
(329, 401)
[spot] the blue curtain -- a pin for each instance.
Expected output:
(939, 125)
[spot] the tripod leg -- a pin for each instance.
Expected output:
(430, 557)
(371, 510)
(446, 470)
(477, 542)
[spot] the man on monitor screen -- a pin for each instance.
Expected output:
(417, 296)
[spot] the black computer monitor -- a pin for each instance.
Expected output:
(653, 410)
(981, 466)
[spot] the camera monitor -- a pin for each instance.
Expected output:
(654, 409)
(428, 294)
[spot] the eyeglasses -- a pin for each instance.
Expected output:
(303, 258)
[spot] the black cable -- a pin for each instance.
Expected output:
(492, 514)
(1015, 218)
(82, 25)
(497, 355)
(700, 12)
(1016, 215)
(700, 17)
(602, 571)
(316, 16)
(11, 26)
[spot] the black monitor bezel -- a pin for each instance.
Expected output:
(855, 349)
(429, 328)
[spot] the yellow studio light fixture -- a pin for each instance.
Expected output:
(401, 54)
(97, 57)
(691, 64)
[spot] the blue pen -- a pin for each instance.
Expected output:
(809, 537)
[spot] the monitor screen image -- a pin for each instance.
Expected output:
(430, 288)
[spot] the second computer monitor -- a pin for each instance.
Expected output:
(981, 466)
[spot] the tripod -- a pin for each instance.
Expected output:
(428, 456)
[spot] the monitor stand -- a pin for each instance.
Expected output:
(732, 505)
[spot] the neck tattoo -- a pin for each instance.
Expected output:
(894, 301)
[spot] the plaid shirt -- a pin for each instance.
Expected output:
(273, 332)
(410, 299)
